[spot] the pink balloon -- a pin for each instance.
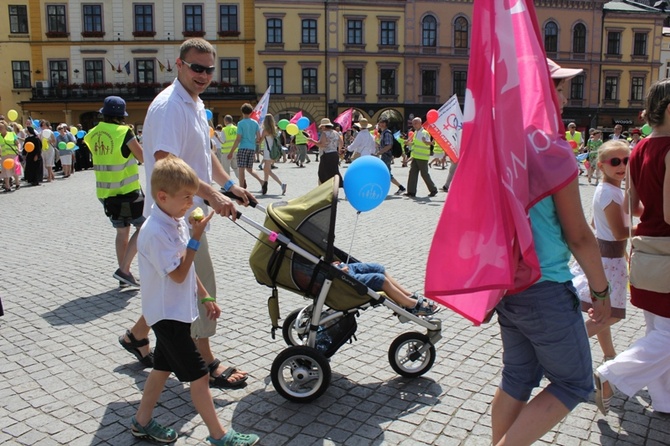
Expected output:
(431, 116)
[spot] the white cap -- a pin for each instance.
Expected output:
(562, 73)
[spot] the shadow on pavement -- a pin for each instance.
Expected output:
(88, 308)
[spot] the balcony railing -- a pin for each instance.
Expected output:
(135, 93)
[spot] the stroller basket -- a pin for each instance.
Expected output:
(309, 222)
(334, 334)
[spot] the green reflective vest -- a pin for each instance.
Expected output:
(300, 139)
(421, 150)
(114, 174)
(230, 131)
(8, 144)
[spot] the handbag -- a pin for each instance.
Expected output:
(650, 263)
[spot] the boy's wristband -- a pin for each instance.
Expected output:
(602, 295)
(193, 244)
(207, 299)
(226, 187)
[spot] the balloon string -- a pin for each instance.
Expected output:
(353, 233)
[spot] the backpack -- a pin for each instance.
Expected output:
(275, 149)
(396, 150)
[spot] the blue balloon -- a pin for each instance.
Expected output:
(81, 134)
(303, 123)
(36, 123)
(209, 114)
(367, 183)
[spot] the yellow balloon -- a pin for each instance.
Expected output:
(70, 145)
(292, 129)
(74, 130)
(12, 115)
(8, 164)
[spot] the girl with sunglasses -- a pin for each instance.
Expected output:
(611, 224)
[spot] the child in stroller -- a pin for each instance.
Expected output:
(374, 276)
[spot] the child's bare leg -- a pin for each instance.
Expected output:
(255, 175)
(202, 400)
(397, 295)
(604, 334)
(152, 391)
(397, 285)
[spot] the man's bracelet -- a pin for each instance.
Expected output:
(226, 187)
(602, 295)
(207, 299)
(193, 244)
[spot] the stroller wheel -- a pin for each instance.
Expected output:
(300, 374)
(405, 358)
(295, 331)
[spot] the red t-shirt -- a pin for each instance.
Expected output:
(647, 170)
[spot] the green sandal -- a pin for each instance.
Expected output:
(233, 438)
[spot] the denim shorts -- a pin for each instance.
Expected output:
(543, 334)
(371, 274)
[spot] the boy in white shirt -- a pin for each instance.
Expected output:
(170, 288)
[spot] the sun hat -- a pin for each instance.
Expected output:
(364, 124)
(114, 106)
(325, 122)
(561, 73)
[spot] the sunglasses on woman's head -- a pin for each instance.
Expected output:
(617, 161)
(197, 68)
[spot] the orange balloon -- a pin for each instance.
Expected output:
(29, 146)
(211, 132)
(8, 164)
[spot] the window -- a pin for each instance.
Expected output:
(429, 83)
(388, 33)
(18, 19)
(640, 44)
(387, 84)
(145, 71)
(354, 81)
(614, 43)
(429, 31)
(92, 18)
(309, 83)
(144, 18)
(354, 32)
(276, 80)
(637, 89)
(579, 39)
(193, 18)
(56, 22)
(577, 87)
(58, 72)
(667, 70)
(21, 73)
(460, 82)
(309, 31)
(274, 31)
(611, 88)
(93, 71)
(228, 19)
(461, 33)
(551, 37)
(230, 71)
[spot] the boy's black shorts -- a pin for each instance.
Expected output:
(176, 352)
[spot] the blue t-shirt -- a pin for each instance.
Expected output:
(248, 129)
(552, 251)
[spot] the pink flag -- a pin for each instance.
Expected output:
(261, 109)
(294, 119)
(512, 155)
(345, 119)
(313, 133)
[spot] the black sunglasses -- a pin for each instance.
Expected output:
(197, 68)
(616, 161)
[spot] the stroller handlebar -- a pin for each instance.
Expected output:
(232, 196)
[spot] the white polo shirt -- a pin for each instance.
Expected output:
(160, 246)
(177, 124)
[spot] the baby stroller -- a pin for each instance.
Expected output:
(295, 251)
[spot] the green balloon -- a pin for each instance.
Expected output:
(62, 145)
(283, 123)
(646, 130)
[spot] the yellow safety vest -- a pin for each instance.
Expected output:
(8, 144)
(114, 174)
(421, 150)
(231, 135)
(300, 138)
(437, 149)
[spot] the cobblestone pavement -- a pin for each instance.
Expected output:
(65, 380)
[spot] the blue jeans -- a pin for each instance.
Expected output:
(543, 334)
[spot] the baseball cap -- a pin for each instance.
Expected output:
(557, 72)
